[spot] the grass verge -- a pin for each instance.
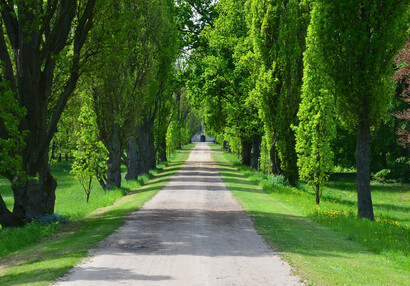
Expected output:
(326, 245)
(46, 260)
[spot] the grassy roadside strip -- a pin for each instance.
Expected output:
(52, 257)
(320, 255)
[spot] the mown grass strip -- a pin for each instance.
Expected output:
(320, 255)
(51, 258)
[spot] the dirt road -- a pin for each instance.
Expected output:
(193, 232)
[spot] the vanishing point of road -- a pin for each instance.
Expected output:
(193, 232)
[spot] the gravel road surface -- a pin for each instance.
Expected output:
(193, 232)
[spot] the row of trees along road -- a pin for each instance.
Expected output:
(112, 82)
(306, 76)
(94, 79)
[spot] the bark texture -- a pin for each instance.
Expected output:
(255, 152)
(246, 152)
(162, 150)
(364, 198)
(132, 155)
(114, 158)
(274, 157)
(317, 194)
(146, 148)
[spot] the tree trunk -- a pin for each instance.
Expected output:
(291, 172)
(255, 151)
(146, 148)
(274, 158)
(34, 198)
(246, 152)
(162, 151)
(7, 218)
(178, 100)
(317, 194)
(132, 158)
(151, 149)
(364, 198)
(114, 158)
(31, 79)
(88, 191)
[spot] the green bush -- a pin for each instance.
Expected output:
(397, 171)
(383, 175)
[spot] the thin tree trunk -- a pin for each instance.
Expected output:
(114, 158)
(274, 157)
(162, 151)
(178, 100)
(88, 192)
(132, 158)
(364, 198)
(317, 194)
(255, 151)
(151, 161)
(146, 142)
(246, 152)
(146, 147)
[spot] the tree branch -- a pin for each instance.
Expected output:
(45, 27)
(81, 32)
(5, 58)
(158, 96)
(58, 36)
(10, 22)
(124, 159)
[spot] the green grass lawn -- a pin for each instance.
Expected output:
(327, 245)
(70, 203)
(38, 254)
(70, 197)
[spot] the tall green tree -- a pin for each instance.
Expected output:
(356, 43)
(221, 80)
(64, 139)
(166, 108)
(121, 74)
(278, 30)
(165, 44)
(317, 127)
(35, 37)
(91, 156)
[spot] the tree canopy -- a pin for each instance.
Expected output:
(356, 43)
